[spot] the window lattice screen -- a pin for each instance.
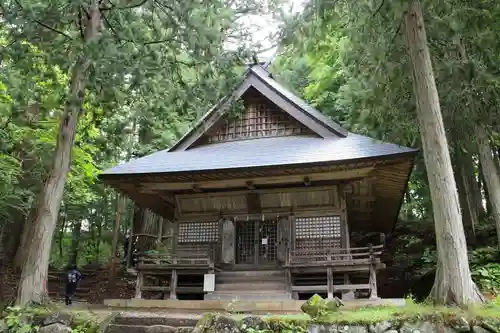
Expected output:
(259, 120)
(318, 232)
(198, 232)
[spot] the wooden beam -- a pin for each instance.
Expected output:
(312, 289)
(345, 287)
(253, 203)
(243, 183)
(196, 188)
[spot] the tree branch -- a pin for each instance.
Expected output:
(80, 25)
(106, 21)
(378, 8)
(126, 7)
(158, 41)
(45, 25)
(53, 29)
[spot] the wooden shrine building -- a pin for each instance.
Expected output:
(264, 203)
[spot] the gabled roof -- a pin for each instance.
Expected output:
(260, 79)
(332, 144)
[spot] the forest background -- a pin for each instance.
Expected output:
(146, 70)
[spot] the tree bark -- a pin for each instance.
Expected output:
(489, 208)
(33, 282)
(453, 283)
(61, 232)
(465, 192)
(116, 232)
(490, 173)
(476, 188)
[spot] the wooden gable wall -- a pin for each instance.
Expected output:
(261, 118)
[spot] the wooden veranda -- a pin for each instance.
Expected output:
(267, 204)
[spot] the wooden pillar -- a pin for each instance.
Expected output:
(373, 283)
(130, 255)
(288, 280)
(257, 242)
(349, 294)
(373, 276)
(228, 242)
(159, 239)
(138, 285)
(173, 285)
(329, 278)
(175, 236)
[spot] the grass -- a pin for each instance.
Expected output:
(411, 312)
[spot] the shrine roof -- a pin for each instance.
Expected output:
(263, 152)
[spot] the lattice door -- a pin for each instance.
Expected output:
(256, 242)
(268, 241)
(321, 232)
(245, 242)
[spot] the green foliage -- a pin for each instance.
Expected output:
(351, 62)
(26, 320)
(486, 269)
(153, 71)
(17, 320)
(487, 277)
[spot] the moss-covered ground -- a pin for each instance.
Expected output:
(410, 312)
(84, 320)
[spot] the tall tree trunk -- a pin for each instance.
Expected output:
(453, 283)
(475, 182)
(116, 232)
(100, 225)
(490, 173)
(489, 208)
(75, 242)
(61, 232)
(466, 196)
(33, 282)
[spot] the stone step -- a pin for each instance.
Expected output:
(246, 296)
(116, 328)
(246, 279)
(250, 285)
(152, 319)
(250, 292)
(251, 274)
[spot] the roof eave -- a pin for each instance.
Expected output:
(410, 154)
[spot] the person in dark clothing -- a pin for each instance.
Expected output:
(74, 276)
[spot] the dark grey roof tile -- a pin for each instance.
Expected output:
(277, 151)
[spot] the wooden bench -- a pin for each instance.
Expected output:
(170, 264)
(335, 258)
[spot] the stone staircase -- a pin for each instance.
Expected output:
(263, 285)
(150, 322)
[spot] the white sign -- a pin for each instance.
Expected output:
(209, 283)
(264, 241)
